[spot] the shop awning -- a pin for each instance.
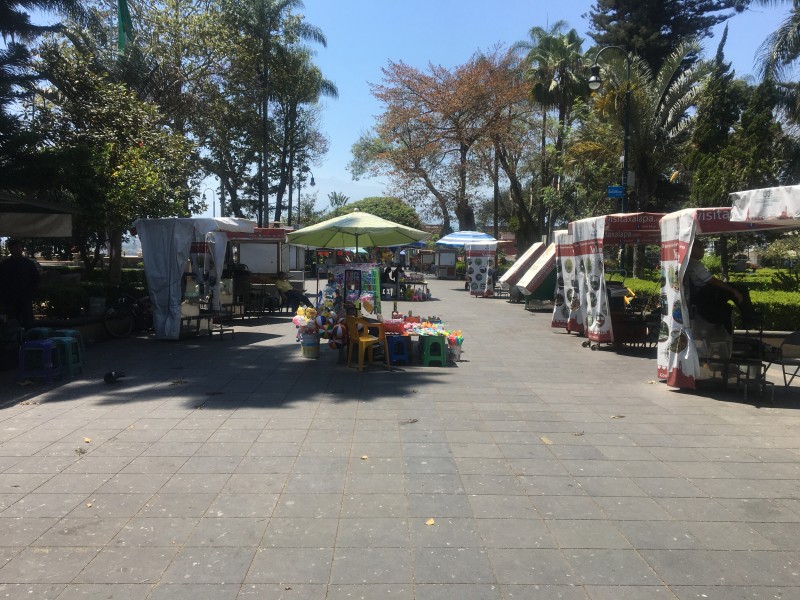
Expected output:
(775, 204)
(26, 216)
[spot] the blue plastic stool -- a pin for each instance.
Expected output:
(69, 354)
(38, 359)
(434, 349)
(38, 333)
(398, 348)
(74, 333)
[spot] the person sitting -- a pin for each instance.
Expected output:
(710, 295)
(19, 280)
(288, 294)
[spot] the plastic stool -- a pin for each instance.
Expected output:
(434, 349)
(398, 348)
(38, 359)
(38, 333)
(74, 333)
(69, 354)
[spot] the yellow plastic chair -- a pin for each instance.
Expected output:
(365, 341)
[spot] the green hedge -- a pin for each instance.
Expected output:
(781, 309)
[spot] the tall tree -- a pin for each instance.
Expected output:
(17, 146)
(269, 23)
(652, 29)
(660, 116)
(556, 69)
(427, 135)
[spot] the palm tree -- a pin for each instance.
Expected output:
(16, 26)
(660, 114)
(268, 22)
(555, 66)
(298, 83)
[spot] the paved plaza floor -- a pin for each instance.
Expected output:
(234, 468)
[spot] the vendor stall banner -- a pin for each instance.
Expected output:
(566, 312)
(775, 203)
(677, 360)
(588, 241)
(481, 265)
(356, 285)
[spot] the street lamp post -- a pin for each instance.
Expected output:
(213, 201)
(300, 179)
(595, 82)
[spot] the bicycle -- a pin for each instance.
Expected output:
(128, 314)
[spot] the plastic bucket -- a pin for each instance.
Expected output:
(455, 353)
(309, 345)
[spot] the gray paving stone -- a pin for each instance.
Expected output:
(210, 565)
(194, 591)
(370, 566)
(103, 591)
(457, 591)
(501, 507)
(80, 531)
(611, 567)
(291, 565)
(531, 566)
(149, 531)
(47, 565)
(300, 533)
(633, 592)
(452, 565)
(357, 506)
(39, 591)
(228, 532)
(295, 591)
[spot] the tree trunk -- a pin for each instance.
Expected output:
(723, 256)
(115, 258)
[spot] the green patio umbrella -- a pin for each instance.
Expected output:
(357, 229)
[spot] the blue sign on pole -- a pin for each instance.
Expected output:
(616, 191)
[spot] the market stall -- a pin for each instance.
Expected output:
(690, 349)
(481, 266)
(172, 250)
(602, 305)
(515, 272)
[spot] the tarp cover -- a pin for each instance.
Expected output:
(770, 204)
(566, 312)
(677, 359)
(588, 239)
(481, 265)
(521, 266)
(538, 271)
(166, 248)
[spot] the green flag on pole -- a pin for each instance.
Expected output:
(124, 25)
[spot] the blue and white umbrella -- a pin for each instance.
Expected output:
(462, 238)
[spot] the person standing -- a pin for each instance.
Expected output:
(19, 280)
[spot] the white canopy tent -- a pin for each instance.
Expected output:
(166, 248)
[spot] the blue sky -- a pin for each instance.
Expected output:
(364, 35)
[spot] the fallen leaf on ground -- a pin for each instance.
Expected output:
(546, 440)
(617, 416)
(87, 440)
(89, 505)
(411, 421)
(652, 382)
(365, 457)
(430, 522)
(578, 433)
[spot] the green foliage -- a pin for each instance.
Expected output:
(640, 25)
(780, 251)
(780, 309)
(392, 209)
